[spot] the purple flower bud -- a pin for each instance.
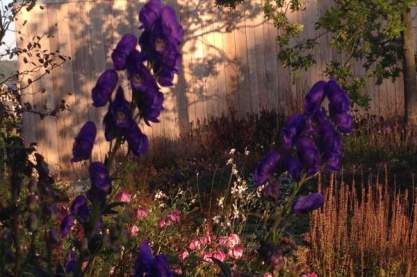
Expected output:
(160, 267)
(66, 225)
(125, 46)
(338, 98)
(170, 27)
(84, 142)
(266, 167)
(150, 13)
(308, 203)
(99, 177)
(138, 142)
(314, 97)
(105, 86)
(309, 155)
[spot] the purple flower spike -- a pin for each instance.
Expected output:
(266, 167)
(104, 88)
(79, 208)
(84, 142)
(138, 142)
(99, 177)
(309, 155)
(308, 203)
(314, 98)
(150, 103)
(123, 49)
(149, 13)
(338, 98)
(66, 225)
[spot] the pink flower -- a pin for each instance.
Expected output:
(123, 197)
(236, 253)
(267, 274)
(233, 240)
(183, 255)
(312, 274)
(207, 257)
(134, 230)
(219, 255)
(174, 216)
(194, 245)
(163, 223)
(141, 213)
(205, 239)
(223, 240)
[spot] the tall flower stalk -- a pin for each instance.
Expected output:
(310, 142)
(150, 62)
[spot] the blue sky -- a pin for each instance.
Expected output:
(10, 38)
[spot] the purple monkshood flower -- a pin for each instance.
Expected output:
(140, 77)
(338, 99)
(79, 208)
(147, 264)
(66, 225)
(308, 203)
(70, 262)
(161, 40)
(314, 97)
(309, 155)
(104, 87)
(99, 177)
(84, 142)
(138, 142)
(118, 117)
(292, 130)
(123, 49)
(266, 167)
(329, 142)
(150, 103)
(150, 13)
(344, 122)
(293, 167)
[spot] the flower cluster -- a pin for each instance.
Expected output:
(147, 69)
(149, 265)
(210, 247)
(310, 140)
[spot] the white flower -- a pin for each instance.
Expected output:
(232, 151)
(247, 151)
(229, 161)
(220, 202)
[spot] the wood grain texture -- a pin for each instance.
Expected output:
(229, 63)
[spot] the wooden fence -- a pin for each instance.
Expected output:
(229, 63)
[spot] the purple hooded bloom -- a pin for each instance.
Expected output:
(118, 117)
(123, 49)
(343, 122)
(140, 77)
(314, 97)
(150, 103)
(66, 225)
(138, 142)
(292, 130)
(338, 99)
(293, 166)
(84, 142)
(104, 87)
(309, 155)
(266, 167)
(79, 208)
(150, 13)
(148, 265)
(70, 262)
(99, 177)
(308, 203)
(330, 143)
